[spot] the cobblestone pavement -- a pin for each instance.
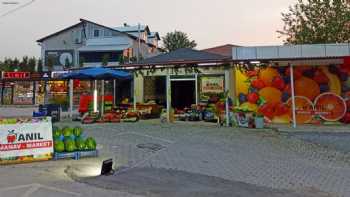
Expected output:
(259, 157)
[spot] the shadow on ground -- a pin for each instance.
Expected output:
(173, 183)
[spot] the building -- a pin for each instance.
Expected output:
(224, 50)
(88, 43)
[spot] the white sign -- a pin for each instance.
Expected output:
(26, 139)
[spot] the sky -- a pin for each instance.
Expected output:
(209, 22)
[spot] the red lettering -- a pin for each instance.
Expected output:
(22, 146)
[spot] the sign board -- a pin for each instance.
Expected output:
(212, 84)
(58, 74)
(41, 75)
(16, 75)
(25, 141)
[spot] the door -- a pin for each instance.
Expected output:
(183, 94)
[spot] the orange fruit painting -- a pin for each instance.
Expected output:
(271, 94)
(306, 87)
(304, 109)
(268, 74)
(330, 106)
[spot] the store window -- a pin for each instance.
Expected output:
(7, 93)
(23, 93)
(40, 92)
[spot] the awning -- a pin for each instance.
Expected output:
(97, 73)
(101, 48)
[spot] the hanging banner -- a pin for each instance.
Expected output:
(212, 84)
(25, 140)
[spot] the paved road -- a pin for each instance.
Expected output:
(264, 161)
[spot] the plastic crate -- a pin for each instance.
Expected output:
(72, 155)
(93, 153)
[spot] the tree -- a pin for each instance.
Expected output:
(316, 21)
(105, 59)
(40, 65)
(23, 66)
(176, 40)
(31, 64)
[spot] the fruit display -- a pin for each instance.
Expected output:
(69, 139)
(320, 93)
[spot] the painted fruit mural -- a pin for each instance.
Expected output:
(322, 93)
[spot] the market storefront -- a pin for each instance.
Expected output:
(303, 84)
(23, 88)
(185, 82)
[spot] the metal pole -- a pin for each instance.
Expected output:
(95, 96)
(196, 87)
(114, 92)
(227, 89)
(293, 96)
(102, 97)
(135, 93)
(139, 42)
(71, 84)
(168, 96)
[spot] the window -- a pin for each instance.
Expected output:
(96, 33)
(107, 34)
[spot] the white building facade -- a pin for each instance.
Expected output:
(89, 44)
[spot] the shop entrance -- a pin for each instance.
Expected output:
(183, 93)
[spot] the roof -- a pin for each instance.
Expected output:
(182, 56)
(84, 20)
(134, 28)
(291, 52)
(154, 34)
(56, 33)
(224, 50)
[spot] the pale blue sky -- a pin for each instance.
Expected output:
(209, 22)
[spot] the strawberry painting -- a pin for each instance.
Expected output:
(11, 137)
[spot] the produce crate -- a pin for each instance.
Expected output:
(93, 153)
(65, 155)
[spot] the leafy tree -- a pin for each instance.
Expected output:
(40, 65)
(23, 66)
(176, 40)
(105, 60)
(31, 64)
(316, 21)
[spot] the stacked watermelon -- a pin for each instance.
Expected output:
(68, 139)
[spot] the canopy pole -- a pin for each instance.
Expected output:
(227, 89)
(114, 92)
(102, 97)
(71, 84)
(293, 95)
(135, 92)
(168, 97)
(95, 96)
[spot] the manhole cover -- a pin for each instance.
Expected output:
(150, 146)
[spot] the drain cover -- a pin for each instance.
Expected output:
(150, 146)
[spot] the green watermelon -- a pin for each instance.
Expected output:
(55, 128)
(78, 131)
(90, 143)
(56, 134)
(69, 145)
(80, 144)
(59, 146)
(67, 132)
